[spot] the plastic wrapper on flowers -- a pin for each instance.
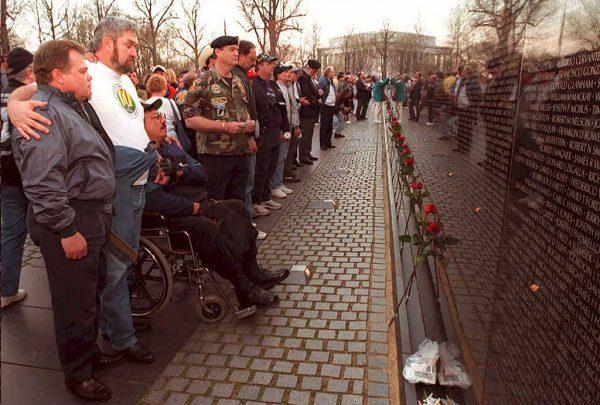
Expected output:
(430, 400)
(452, 371)
(421, 366)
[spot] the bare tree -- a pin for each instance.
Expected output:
(153, 18)
(191, 34)
(268, 19)
(383, 42)
(583, 25)
(346, 48)
(9, 12)
(102, 9)
(509, 18)
(315, 39)
(49, 18)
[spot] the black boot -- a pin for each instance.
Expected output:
(89, 390)
(249, 294)
(266, 279)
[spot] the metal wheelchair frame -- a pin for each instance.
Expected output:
(173, 253)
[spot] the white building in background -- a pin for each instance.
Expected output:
(407, 53)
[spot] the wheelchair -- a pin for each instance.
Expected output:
(164, 257)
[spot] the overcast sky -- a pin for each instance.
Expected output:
(335, 17)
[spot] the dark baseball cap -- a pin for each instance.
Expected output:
(281, 68)
(155, 105)
(18, 59)
(264, 57)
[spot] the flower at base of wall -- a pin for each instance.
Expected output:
(430, 209)
(416, 185)
(433, 227)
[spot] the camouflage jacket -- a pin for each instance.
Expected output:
(212, 97)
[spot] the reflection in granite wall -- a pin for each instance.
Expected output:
(521, 133)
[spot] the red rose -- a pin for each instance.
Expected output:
(431, 209)
(406, 150)
(433, 227)
(400, 138)
(416, 185)
(409, 162)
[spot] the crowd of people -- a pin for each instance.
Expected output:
(88, 144)
(88, 147)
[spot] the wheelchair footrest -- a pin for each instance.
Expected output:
(246, 312)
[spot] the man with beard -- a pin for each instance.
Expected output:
(115, 100)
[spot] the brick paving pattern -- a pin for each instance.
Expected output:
(326, 341)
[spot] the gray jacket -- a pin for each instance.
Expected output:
(73, 163)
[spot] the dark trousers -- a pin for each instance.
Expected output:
(267, 156)
(75, 286)
(361, 109)
(307, 127)
(291, 156)
(229, 248)
(227, 176)
(414, 108)
(326, 127)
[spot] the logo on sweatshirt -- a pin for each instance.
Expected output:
(126, 101)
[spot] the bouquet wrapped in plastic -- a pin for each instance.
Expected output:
(421, 366)
(452, 371)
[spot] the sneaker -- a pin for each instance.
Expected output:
(278, 193)
(429, 123)
(272, 205)
(259, 211)
(6, 301)
(348, 122)
(286, 190)
(261, 235)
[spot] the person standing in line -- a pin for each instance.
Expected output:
(291, 163)
(282, 76)
(14, 201)
(378, 98)
(273, 123)
(217, 109)
(414, 102)
(399, 94)
(328, 100)
(114, 100)
(246, 62)
(309, 106)
(69, 178)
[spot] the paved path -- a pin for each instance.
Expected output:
(327, 341)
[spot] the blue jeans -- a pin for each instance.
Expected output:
(338, 123)
(277, 178)
(14, 232)
(250, 185)
(116, 319)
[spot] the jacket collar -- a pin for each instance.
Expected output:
(67, 97)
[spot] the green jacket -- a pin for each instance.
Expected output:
(378, 89)
(399, 94)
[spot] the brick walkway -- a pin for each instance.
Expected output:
(327, 341)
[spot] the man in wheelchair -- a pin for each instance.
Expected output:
(221, 231)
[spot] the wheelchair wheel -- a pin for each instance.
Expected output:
(213, 309)
(151, 281)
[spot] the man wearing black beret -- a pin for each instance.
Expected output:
(14, 202)
(309, 101)
(217, 109)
